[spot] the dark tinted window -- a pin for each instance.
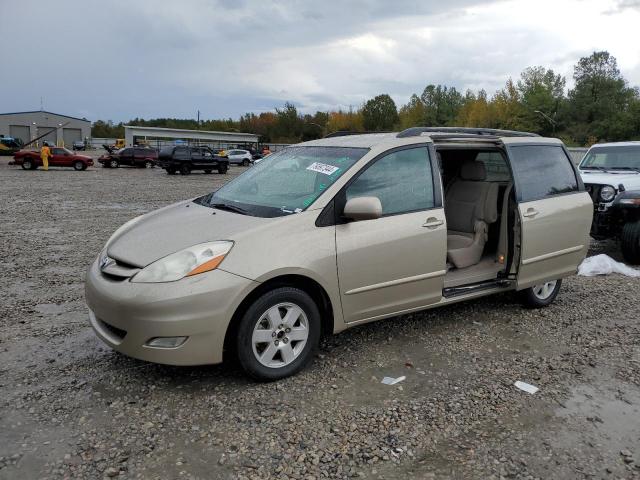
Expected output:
(126, 152)
(181, 153)
(542, 171)
(401, 180)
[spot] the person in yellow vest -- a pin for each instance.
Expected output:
(45, 153)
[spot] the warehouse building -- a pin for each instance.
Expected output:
(59, 129)
(158, 137)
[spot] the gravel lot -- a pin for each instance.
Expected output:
(70, 407)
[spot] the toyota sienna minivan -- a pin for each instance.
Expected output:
(337, 232)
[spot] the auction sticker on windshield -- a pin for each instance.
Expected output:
(323, 168)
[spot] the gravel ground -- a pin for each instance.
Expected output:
(70, 407)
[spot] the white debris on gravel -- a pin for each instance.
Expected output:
(604, 265)
(393, 381)
(526, 387)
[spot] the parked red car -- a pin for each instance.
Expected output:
(30, 159)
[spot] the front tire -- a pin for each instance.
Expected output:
(222, 169)
(207, 171)
(541, 295)
(185, 169)
(78, 166)
(170, 171)
(148, 164)
(245, 163)
(631, 242)
(278, 334)
(114, 163)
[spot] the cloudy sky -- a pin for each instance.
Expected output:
(120, 59)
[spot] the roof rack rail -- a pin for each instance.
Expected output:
(344, 133)
(417, 131)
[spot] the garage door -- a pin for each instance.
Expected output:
(70, 135)
(50, 134)
(19, 131)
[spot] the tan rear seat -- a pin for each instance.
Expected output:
(470, 206)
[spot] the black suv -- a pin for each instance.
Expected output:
(184, 159)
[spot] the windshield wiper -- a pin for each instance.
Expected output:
(595, 167)
(634, 169)
(229, 207)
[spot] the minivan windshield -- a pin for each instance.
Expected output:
(287, 182)
(625, 157)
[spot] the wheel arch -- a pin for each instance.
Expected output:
(307, 284)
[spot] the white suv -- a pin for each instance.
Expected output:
(611, 174)
(240, 157)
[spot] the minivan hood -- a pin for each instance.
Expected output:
(173, 228)
(613, 178)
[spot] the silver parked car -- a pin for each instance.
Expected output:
(337, 232)
(240, 157)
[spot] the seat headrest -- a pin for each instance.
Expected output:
(473, 171)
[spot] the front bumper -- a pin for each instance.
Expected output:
(127, 315)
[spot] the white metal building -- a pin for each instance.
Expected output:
(62, 130)
(157, 136)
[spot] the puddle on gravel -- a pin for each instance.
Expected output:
(613, 414)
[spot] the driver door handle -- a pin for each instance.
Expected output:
(531, 212)
(433, 222)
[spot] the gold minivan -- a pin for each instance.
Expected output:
(332, 233)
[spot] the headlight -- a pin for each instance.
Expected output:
(190, 261)
(607, 193)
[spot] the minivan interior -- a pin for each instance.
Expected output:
(481, 213)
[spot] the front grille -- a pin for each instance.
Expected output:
(115, 331)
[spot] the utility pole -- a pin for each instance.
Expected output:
(198, 118)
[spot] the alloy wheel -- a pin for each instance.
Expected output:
(544, 290)
(280, 335)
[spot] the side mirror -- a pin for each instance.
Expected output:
(363, 208)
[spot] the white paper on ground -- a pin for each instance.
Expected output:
(526, 387)
(392, 381)
(604, 265)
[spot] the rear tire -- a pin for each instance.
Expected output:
(631, 242)
(207, 171)
(170, 171)
(113, 163)
(148, 164)
(245, 163)
(541, 295)
(27, 164)
(78, 165)
(290, 339)
(185, 169)
(222, 169)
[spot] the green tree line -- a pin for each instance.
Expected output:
(601, 106)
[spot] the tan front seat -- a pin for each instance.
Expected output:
(470, 206)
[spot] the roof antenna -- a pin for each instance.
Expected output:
(41, 109)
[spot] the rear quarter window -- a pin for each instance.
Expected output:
(542, 171)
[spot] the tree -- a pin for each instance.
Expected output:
(601, 103)
(345, 121)
(541, 92)
(412, 114)
(288, 128)
(379, 113)
(442, 105)
(475, 111)
(506, 107)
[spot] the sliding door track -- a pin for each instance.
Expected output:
(475, 287)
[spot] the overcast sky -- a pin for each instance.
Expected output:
(117, 59)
